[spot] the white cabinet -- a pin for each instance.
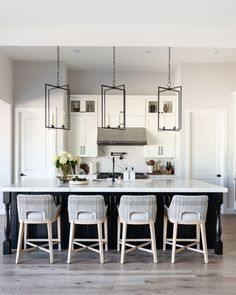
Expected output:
(159, 143)
(135, 111)
(83, 104)
(83, 133)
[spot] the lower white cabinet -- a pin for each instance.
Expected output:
(160, 144)
(83, 135)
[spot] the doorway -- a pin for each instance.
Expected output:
(206, 145)
(35, 145)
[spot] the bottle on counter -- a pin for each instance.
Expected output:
(126, 175)
(132, 174)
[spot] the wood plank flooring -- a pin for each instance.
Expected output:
(189, 275)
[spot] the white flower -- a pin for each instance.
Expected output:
(70, 157)
(63, 159)
(56, 158)
(76, 159)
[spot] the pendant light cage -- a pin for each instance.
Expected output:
(57, 103)
(169, 104)
(111, 95)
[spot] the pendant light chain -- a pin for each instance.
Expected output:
(58, 67)
(169, 83)
(114, 67)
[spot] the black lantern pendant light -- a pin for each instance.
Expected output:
(57, 103)
(110, 96)
(169, 105)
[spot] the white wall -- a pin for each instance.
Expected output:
(6, 72)
(6, 132)
(140, 83)
(30, 79)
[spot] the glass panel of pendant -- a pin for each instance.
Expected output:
(168, 112)
(113, 108)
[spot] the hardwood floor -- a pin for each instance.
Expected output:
(85, 275)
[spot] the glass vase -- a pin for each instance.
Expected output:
(64, 173)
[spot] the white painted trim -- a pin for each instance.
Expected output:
(229, 211)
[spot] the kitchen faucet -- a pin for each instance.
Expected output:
(121, 157)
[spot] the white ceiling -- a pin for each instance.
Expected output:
(124, 22)
(167, 14)
(127, 58)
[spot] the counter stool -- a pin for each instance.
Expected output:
(186, 210)
(87, 209)
(137, 210)
(38, 209)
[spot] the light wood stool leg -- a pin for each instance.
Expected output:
(204, 242)
(71, 238)
(99, 225)
(59, 232)
(118, 233)
(50, 246)
(174, 242)
(153, 238)
(106, 234)
(19, 244)
(25, 235)
(165, 232)
(198, 236)
(124, 230)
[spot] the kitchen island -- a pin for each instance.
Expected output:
(163, 189)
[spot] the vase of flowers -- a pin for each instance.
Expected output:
(65, 163)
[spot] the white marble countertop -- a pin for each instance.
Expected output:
(139, 186)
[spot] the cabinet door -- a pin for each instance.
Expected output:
(90, 105)
(135, 106)
(161, 144)
(90, 130)
(135, 121)
(153, 136)
(169, 144)
(77, 135)
(83, 105)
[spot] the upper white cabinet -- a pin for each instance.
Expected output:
(141, 111)
(135, 111)
(83, 104)
(83, 133)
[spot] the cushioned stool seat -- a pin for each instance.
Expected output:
(186, 210)
(135, 210)
(87, 209)
(38, 209)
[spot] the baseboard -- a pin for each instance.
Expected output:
(229, 211)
